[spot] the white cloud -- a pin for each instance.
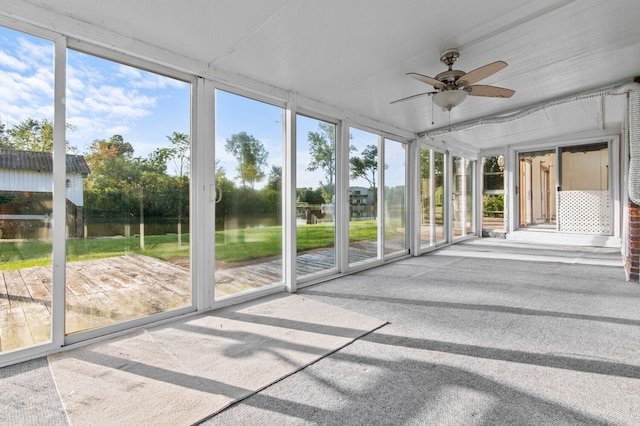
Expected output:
(103, 97)
(117, 130)
(33, 54)
(117, 103)
(12, 62)
(25, 96)
(145, 80)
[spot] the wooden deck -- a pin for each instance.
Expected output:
(111, 290)
(99, 292)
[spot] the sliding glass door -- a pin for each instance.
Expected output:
(395, 197)
(363, 196)
(566, 189)
(433, 209)
(315, 197)
(26, 198)
(248, 209)
(127, 193)
(584, 199)
(463, 197)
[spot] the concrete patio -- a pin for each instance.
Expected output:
(486, 332)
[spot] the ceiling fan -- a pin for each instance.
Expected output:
(453, 86)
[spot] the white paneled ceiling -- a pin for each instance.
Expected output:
(354, 54)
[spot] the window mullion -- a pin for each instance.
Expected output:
(59, 194)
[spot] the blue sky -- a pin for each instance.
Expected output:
(106, 98)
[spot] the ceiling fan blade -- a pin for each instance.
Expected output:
(425, 79)
(482, 72)
(411, 97)
(489, 91)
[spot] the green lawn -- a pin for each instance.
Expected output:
(231, 245)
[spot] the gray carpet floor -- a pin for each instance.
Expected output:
(28, 395)
(486, 332)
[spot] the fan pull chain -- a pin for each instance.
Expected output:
(432, 105)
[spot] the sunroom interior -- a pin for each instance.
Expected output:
(235, 152)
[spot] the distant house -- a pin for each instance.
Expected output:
(362, 201)
(26, 180)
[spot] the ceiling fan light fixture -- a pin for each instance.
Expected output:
(449, 99)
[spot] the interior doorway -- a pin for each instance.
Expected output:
(537, 199)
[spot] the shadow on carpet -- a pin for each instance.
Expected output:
(186, 371)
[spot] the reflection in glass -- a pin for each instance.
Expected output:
(128, 251)
(248, 211)
(315, 196)
(363, 196)
(26, 179)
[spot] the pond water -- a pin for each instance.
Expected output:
(41, 229)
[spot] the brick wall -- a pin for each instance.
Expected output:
(632, 261)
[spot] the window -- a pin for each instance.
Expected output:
(26, 200)
(315, 187)
(128, 239)
(248, 246)
(462, 197)
(493, 192)
(395, 155)
(363, 180)
(433, 206)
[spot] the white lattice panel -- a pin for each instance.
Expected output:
(584, 211)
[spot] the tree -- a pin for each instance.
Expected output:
(322, 147)
(425, 167)
(32, 135)
(251, 156)
(180, 152)
(366, 165)
(112, 185)
(309, 195)
(274, 181)
(4, 137)
(223, 193)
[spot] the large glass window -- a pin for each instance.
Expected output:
(462, 197)
(128, 251)
(315, 196)
(395, 154)
(426, 199)
(26, 179)
(493, 193)
(363, 196)
(248, 247)
(432, 208)
(469, 176)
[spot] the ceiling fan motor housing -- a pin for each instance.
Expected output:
(450, 77)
